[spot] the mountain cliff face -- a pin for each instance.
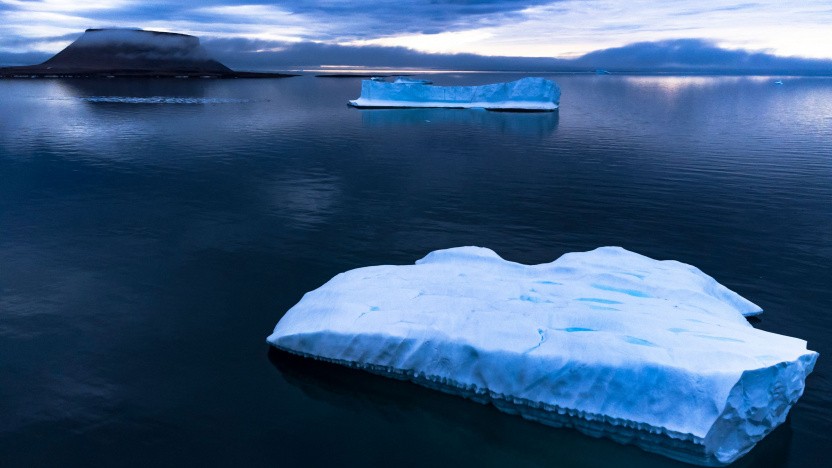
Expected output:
(127, 49)
(131, 52)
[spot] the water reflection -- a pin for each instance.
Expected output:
(521, 443)
(131, 235)
(537, 124)
(192, 88)
(671, 84)
(305, 200)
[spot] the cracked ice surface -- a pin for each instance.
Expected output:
(612, 343)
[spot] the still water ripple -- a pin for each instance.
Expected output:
(152, 232)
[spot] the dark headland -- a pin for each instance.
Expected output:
(132, 53)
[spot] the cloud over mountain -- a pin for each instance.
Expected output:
(695, 54)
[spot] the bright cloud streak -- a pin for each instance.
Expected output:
(571, 28)
(442, 43)
(264, 22)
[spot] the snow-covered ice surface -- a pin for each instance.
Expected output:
(529, 94)
(612, 343)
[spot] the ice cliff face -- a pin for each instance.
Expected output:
(530, 94)
(612, 343)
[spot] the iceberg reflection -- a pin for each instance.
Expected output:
(478, 433)
(523, 124)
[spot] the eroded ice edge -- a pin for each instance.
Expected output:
(529, 94)
(612, 343)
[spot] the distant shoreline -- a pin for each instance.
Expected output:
(39, 72)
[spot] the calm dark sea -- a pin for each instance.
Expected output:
(153, 232)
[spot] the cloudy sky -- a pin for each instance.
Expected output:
(260, 33)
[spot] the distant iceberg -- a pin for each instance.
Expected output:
(526, 94)
(609, 342)
(402, 80)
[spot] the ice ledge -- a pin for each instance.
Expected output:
(362, 103)
(757, 403)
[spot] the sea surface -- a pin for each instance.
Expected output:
(153, 232)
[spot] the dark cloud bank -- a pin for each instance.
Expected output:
(352, 20)
(681, 55)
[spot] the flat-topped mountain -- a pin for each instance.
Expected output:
(134, 53)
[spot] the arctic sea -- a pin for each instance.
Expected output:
(153, 232)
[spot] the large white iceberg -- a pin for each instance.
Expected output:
(612, 343)
(526, 94)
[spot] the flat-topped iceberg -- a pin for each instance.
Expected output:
(612, 343)
(526, 94)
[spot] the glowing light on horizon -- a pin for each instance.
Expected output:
(573, 28)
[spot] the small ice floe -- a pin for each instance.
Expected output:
(412, 81)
